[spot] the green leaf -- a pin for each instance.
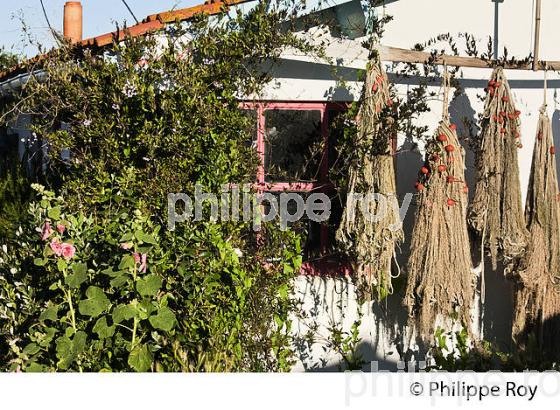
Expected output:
(127, 237)
(39, 261)
(164, 320)
(118, 281)
(54, 213)
(79, 268)
(31, 349)
(61, 264)
(278, 320)
(144, 237)
(96, 303)
(35, 368)
(127, 262)
(50, 313)
(47, 251)
(123, 312)
(144, 309)
(140, 359)
(79, 342)
(283, 292)
(67, 350)
(69, 331)
(78, 277)
(46, 338)
(102, 330)
(149, 285)
(110, 272)
(288, 268)
(182, 269)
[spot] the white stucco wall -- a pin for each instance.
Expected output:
(328, 300)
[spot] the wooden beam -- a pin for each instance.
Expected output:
(412, 56)
(537, 34)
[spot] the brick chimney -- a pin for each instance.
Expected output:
(73, 21)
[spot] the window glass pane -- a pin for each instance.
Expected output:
(309, 230)
(293, 145)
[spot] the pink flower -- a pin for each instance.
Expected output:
(143, 265)
(47, 231)
(141, 259)
(65, 250)
(56, 246)
(60, 228)
(68, 251)
(126, 246)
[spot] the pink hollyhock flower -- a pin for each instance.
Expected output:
(126, 246)
(136, 257)
(143, 265)
(47, 231)
(56, 246)
(68, 251)
(60, 228)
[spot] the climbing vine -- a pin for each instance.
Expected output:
(92, 280)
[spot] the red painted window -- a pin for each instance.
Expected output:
(293, 143)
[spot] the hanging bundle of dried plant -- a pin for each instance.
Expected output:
(371, 228)
(495, 213)
(537, 297)
(440, 278)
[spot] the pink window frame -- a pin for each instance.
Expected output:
(321, 267)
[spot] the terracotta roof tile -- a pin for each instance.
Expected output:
(133, 31)
(209, 7)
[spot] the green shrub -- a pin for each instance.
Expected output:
(112, 291)
(14, 198)
(144, 121)
(453, 352)
(7, 59)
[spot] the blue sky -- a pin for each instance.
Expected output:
(99, 18)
